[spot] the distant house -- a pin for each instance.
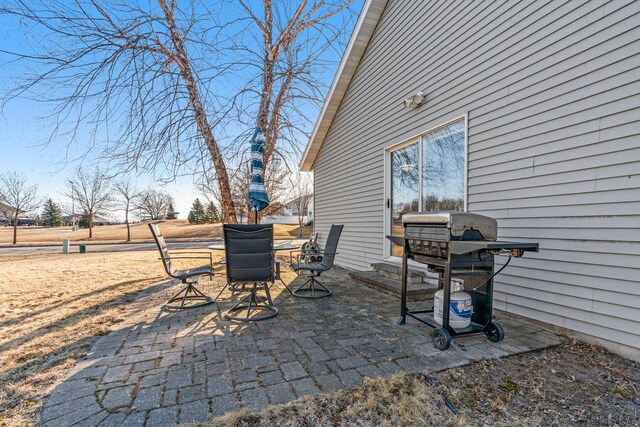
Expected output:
(99, 220)
(528, 112)
(3, 219)
(22, 221)
(68, 220)
(300, 206)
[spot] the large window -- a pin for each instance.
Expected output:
(428, 175)
(443, 168)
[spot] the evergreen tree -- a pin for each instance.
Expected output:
(51, 214)
(212, 215)
(197, 214)
(171, 213)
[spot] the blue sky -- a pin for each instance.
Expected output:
(25, 127)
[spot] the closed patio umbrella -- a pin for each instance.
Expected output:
(258, 198)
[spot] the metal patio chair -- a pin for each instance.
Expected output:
(189, 296)
(312, 288)
(250, 261)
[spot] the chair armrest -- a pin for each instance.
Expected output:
(318, 253)
(209, 257)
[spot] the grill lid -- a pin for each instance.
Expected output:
(456, 221)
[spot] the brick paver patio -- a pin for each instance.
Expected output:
(163, 368)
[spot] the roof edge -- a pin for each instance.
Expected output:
(367, 23)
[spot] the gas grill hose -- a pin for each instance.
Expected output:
(493, 275)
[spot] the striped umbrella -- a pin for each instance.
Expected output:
(258, 198)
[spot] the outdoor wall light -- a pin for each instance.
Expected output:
(414, 101)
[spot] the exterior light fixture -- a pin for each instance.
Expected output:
(414, 101)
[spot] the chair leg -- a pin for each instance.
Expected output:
(283, 284)
(286, 287)
(266, 290)
(220, 293)
(312, 289)
(187, 294)
(251, 304)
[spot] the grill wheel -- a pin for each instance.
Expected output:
(495, 332)
(441, 338)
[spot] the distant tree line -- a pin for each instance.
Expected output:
(93, 195)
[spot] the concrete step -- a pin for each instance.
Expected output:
(415, 291)
(394, 271)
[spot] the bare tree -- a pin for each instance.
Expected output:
(129, 194)
(302, 194)
(93, 193)
(277, 183)
(17, 197)
(153, 204)
(168, 79)
(289, 49)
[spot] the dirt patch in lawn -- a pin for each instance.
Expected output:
(174, 230)
(53, 308)
(573, 384)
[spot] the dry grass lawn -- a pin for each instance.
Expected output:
(53, 308)
(175, 230)
(399, 400)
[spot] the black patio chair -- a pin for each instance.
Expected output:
(312, 288)
(189, 296)
(250, 261)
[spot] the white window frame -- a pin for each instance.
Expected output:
(387, 178)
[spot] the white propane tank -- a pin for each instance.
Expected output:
(460, 309)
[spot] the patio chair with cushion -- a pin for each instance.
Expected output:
(250, 260)
(312, 288)
(189, 296)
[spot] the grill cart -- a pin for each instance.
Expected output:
(460, 248)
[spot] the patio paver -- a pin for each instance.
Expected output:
(163, 368)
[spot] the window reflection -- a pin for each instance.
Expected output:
(443, 168)
(404, 187)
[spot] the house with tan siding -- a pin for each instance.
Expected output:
(524, 111)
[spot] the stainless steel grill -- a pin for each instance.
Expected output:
(458, 245)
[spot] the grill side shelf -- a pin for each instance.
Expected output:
(464, 247)
(397, 240)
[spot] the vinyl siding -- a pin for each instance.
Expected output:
(551, 91)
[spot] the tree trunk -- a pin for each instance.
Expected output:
(214, 150)
(201, 117)
(126, 219)
(15, 230)
(90, 222)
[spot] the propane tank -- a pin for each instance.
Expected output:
(460, 309)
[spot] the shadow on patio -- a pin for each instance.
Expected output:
(164, 367)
